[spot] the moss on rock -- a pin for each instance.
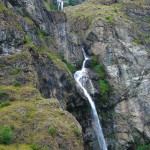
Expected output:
(41, 115)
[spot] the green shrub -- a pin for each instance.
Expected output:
(15, 71)
(52, 131)
(27, 38)
(47, 6)
(6, 135)
(17, 84)
(110, 18)
(77, 133)
(54, 6)
(41, 32)
(71, 67)
(71, 2)
(94, 61)
(35, 147)
(44, 148)
(3, 92)
(144, 147)
(137, 42)
(4, 104)
(1, 65)
(100, 70)
(115, 10)
(104, 89)
(24, 120)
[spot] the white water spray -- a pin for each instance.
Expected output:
(79, 77)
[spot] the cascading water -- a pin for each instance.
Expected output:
(79, 77)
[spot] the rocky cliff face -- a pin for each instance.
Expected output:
(31, 61)
(118, 35)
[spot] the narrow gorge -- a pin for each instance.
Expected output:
(77, 78)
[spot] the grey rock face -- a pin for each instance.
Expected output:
(127, 66)
(125, 55)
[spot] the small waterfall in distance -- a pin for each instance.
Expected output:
(79, 77)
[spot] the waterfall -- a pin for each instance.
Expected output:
(79, 77)
(60, 4)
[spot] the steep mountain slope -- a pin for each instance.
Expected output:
(29, 64)
(40, 49)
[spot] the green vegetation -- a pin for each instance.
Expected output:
(100, 70)
(54, 6)
(28, 20)
(41, 32)
(70, 67)
(94, 61)
(3, 92)
(15, 147)
(111, 136)
(3, 8)
(1, 65)
(110, 18)
(5, 103)
(27, 38)
(144, 147)
(52, 131)
(115, 10)
(17, 84)
(29, 43)
(44, 148)
(24, 120)
(35, 147)
(47, 6)
(6, 135)
(77, 133)
(102, 81)
(71, 2)
(104, 89)
(15, 71)
(137, 42)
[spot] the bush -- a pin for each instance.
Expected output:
(94, 61)
(71, 67)
(100, 70)
(24, 120)
(4, 104)
(47, 6)
(77, 133)
(15, 71)
(3, 92)
(35, 146)
(6, 135)
(104, 89)
(52, 131)
(17, 84)
(54, 6)
(137, 42)
(110, 19)
(144, 147)
(27, 38)
(41, 32)
(71, 2)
